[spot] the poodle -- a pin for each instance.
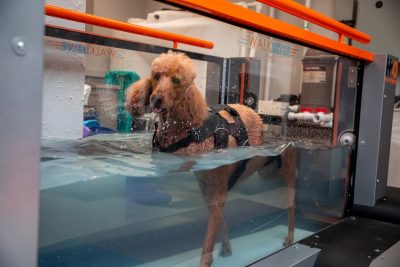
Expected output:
(171, 93)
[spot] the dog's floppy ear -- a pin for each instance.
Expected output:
(148, 90)
(138, 97)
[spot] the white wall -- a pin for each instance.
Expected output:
(117, 9)
(151, 6)
(64, 76)
(382, 24)
(394, 167)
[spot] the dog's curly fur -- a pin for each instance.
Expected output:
(170, 91)
(181, 106)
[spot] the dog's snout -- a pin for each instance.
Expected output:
(156, 100)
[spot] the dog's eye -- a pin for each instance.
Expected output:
(156, 76)
(175, 80)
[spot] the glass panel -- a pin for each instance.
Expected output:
(109, 199)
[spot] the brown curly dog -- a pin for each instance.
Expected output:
(171, 93)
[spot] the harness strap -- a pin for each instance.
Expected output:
(172, 148)
(237, 173)
(242, 167)
(215, 125)
(210, 127)
(236, 129)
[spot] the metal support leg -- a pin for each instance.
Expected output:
(375, 130)
(21, 71)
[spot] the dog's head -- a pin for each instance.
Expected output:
(172, 74)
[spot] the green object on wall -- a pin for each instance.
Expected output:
(123, 79)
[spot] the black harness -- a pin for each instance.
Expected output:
(215, 125)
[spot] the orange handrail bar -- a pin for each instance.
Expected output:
(312, 16)
(68, 14)
(235, 14)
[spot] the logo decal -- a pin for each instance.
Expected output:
(392, 70)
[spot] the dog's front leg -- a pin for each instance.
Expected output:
(214, 221)
(214, 188)
(226, 249)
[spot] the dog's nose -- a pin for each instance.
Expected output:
(156, 101)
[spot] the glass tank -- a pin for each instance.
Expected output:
(108, 198)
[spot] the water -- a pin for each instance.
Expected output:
(110, 201)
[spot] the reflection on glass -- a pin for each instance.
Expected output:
(109, 200)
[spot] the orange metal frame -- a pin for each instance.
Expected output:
(126, 27)
(312, 16)
(231, 13)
